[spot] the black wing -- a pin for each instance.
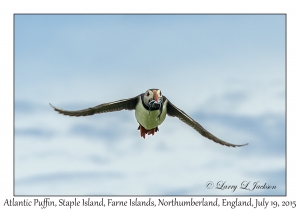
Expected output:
(173, 111)
(127, 104)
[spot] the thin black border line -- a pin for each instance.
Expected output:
(14, 176)
(150, 14)
(14, 15)
(285, 105)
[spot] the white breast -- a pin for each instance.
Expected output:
(149, 121)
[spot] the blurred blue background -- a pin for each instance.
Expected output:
(226, 71)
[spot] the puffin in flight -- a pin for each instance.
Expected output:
(151, 109)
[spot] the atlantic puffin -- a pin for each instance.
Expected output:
(151, 109)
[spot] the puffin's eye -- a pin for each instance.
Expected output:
(160, 93)
(148, 93)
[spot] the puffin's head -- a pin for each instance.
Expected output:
(153, 98)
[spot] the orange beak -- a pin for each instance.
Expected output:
(155, 96)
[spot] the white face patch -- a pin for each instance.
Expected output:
(159, 93)
(148, 96)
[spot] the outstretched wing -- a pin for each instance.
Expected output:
(127, 104)
(173, 111)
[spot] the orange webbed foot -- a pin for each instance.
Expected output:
(144, 131)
